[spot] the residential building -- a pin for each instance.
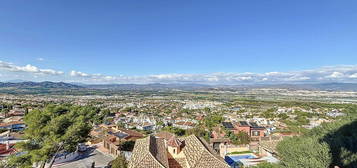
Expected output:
(146, 126)
(251, 128)
(14, 125)
(243, 126)
(187, 152)
(112, 140)
(184, 125)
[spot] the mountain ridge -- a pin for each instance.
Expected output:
(44, 84)
(189, 86)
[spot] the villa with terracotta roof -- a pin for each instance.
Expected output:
(112, 140)
(187, 152)
(251, 128)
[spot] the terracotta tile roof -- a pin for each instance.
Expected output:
(132, 133)
(165, 135)
(188, 123)
(200, 155)
(174, 142)
(11, 123)
(177, 163)
(149, 152)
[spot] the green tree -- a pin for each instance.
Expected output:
(266, 165)
(49, 127)
(213, 120)
(283, 116)
(243, 137)
(119, 162)
(304, 152)
(200, 132)
(127, 145)
(176, 131)
(5, 111)
(331, 144)
(238, 139)
(23, 161)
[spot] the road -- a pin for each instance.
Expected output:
(85, 160)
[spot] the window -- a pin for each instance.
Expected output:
(256, 133)
(174, 151)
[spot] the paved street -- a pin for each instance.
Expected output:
(86, 160)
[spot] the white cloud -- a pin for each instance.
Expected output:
(297, 78)
(78, 74)
(273, 73)
(97, 78)
(353, 75)
(40, 59)
(344, 73)
(335, 75)
(6, 66)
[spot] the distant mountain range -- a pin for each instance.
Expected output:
(152, 86)
(158, 86)
(318, 86)
(42, 85)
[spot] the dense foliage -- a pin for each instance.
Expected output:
(174, 130)
(304, 152)
(212, 120)
(266, 165)
(331, 144)
(119, 162)
(238, 139)
(50, 127)
(127, 146)
(200, 132)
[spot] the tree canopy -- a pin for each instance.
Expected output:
(49, 127)
(119, 162)
(331, 144)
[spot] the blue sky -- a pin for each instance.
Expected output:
(139, 39)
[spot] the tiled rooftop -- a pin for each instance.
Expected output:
(151, 152)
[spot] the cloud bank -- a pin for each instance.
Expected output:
(6, 66)
(341, 73)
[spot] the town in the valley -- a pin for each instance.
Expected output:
(168, 129)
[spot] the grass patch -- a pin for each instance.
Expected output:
(242, 152)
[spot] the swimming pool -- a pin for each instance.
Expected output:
(245, 156)
(234, 159)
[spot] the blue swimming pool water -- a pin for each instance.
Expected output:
(234, 159)
(238, 157)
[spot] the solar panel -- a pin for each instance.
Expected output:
(243, 123)
(228, 125)
(253, 124)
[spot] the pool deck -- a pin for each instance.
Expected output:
(252, 161)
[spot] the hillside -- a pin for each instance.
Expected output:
(46, 84)
(37, 87)
(48, 87)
